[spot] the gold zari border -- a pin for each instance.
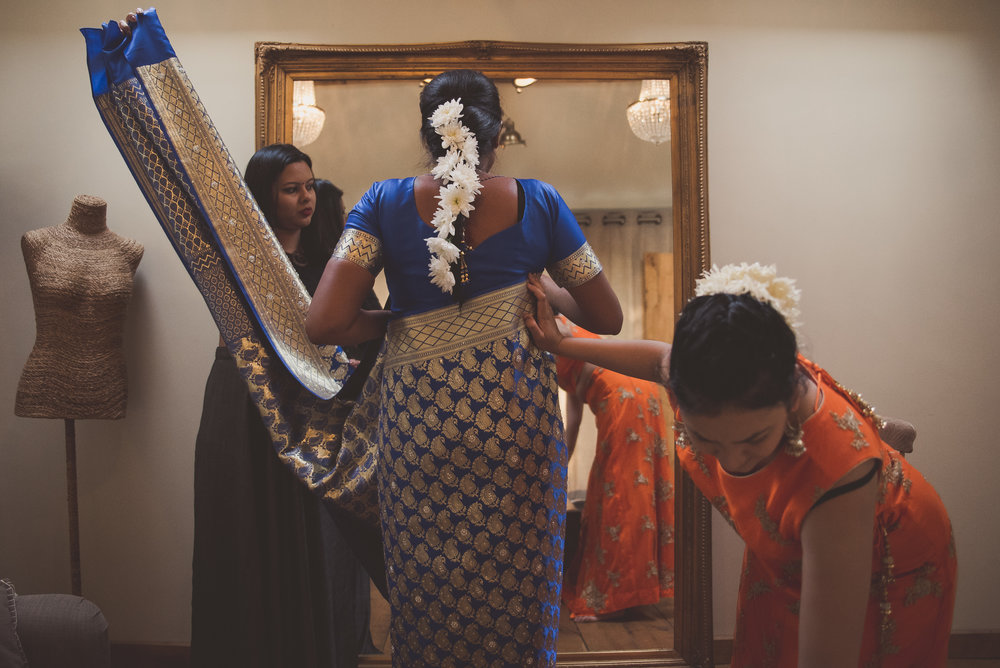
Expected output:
(576, 269)
(361, 248)
(270, 284)
(441, 332)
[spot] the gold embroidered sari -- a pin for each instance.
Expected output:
(472, 462)
(197, 193)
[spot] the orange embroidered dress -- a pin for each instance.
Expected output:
(908, 619)
(626, 550)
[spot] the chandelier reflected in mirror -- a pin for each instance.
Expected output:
(307, 118)
(649, 116)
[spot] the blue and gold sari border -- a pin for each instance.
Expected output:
(576, 269)
(267, 279)
(445, 331)
(361, 248)
(330, 444)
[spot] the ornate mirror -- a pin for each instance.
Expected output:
(357, 84)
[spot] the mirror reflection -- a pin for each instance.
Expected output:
(676, 194)
(577, 136)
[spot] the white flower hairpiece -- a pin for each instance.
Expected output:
(460, 185)
(760, 282)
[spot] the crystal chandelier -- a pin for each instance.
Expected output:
(649, 116)
(307, 118)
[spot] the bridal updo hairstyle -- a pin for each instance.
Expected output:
(732, 351)
(481, 108)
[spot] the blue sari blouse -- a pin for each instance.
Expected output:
(546, 234)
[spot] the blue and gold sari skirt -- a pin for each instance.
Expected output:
(472, 484)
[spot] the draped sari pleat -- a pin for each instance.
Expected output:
(197, 194)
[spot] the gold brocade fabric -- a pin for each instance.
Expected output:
(194, 189)
(268, 281)
(361, 248)
(576, 269)
(472, 478)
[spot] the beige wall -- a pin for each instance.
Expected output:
(855, 144)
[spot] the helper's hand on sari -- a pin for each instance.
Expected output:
(648, 360)
(542, 324)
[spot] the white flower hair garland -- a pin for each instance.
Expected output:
(460, 185)
(760, 282)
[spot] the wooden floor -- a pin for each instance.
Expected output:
(648, 627)
(956, 663)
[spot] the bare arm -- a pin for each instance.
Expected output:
(593, 305)
(574, 417)
(335, 315)
(836, 575)
(647, 360)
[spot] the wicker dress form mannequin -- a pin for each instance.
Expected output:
(81, 281)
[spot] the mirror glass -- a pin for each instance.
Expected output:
(568, 128)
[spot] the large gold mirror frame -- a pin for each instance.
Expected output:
(278, 65)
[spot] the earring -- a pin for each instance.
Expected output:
(793, 437)
(680, 435)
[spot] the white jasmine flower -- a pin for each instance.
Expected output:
(449, 112)
(440, 274)
(464, 176)
(456, 199)
(759, 281)
(470, 149)
(457, 171)
(445, 164)
(443, 248)
(444, 222)
(455, 136)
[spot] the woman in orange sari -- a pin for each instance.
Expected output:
(626, 549)
(849, 558)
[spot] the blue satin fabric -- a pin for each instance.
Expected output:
(547, 232)
(111, 57)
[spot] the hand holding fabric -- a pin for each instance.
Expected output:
(542, 325)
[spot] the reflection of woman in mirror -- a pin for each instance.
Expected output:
(625, 556)
(260, 571)
(849, 553)
(472, 466)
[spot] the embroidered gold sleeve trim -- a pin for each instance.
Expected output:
(361, 248)
(576, 269)
(866, 409)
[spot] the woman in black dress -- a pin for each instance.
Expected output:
(268, 559)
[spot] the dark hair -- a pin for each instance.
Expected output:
(263, 170)
(481, 108)
(320, 237)
(731, 350)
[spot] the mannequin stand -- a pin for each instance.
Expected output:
(74, 515)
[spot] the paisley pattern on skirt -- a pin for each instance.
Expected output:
(472, 479)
